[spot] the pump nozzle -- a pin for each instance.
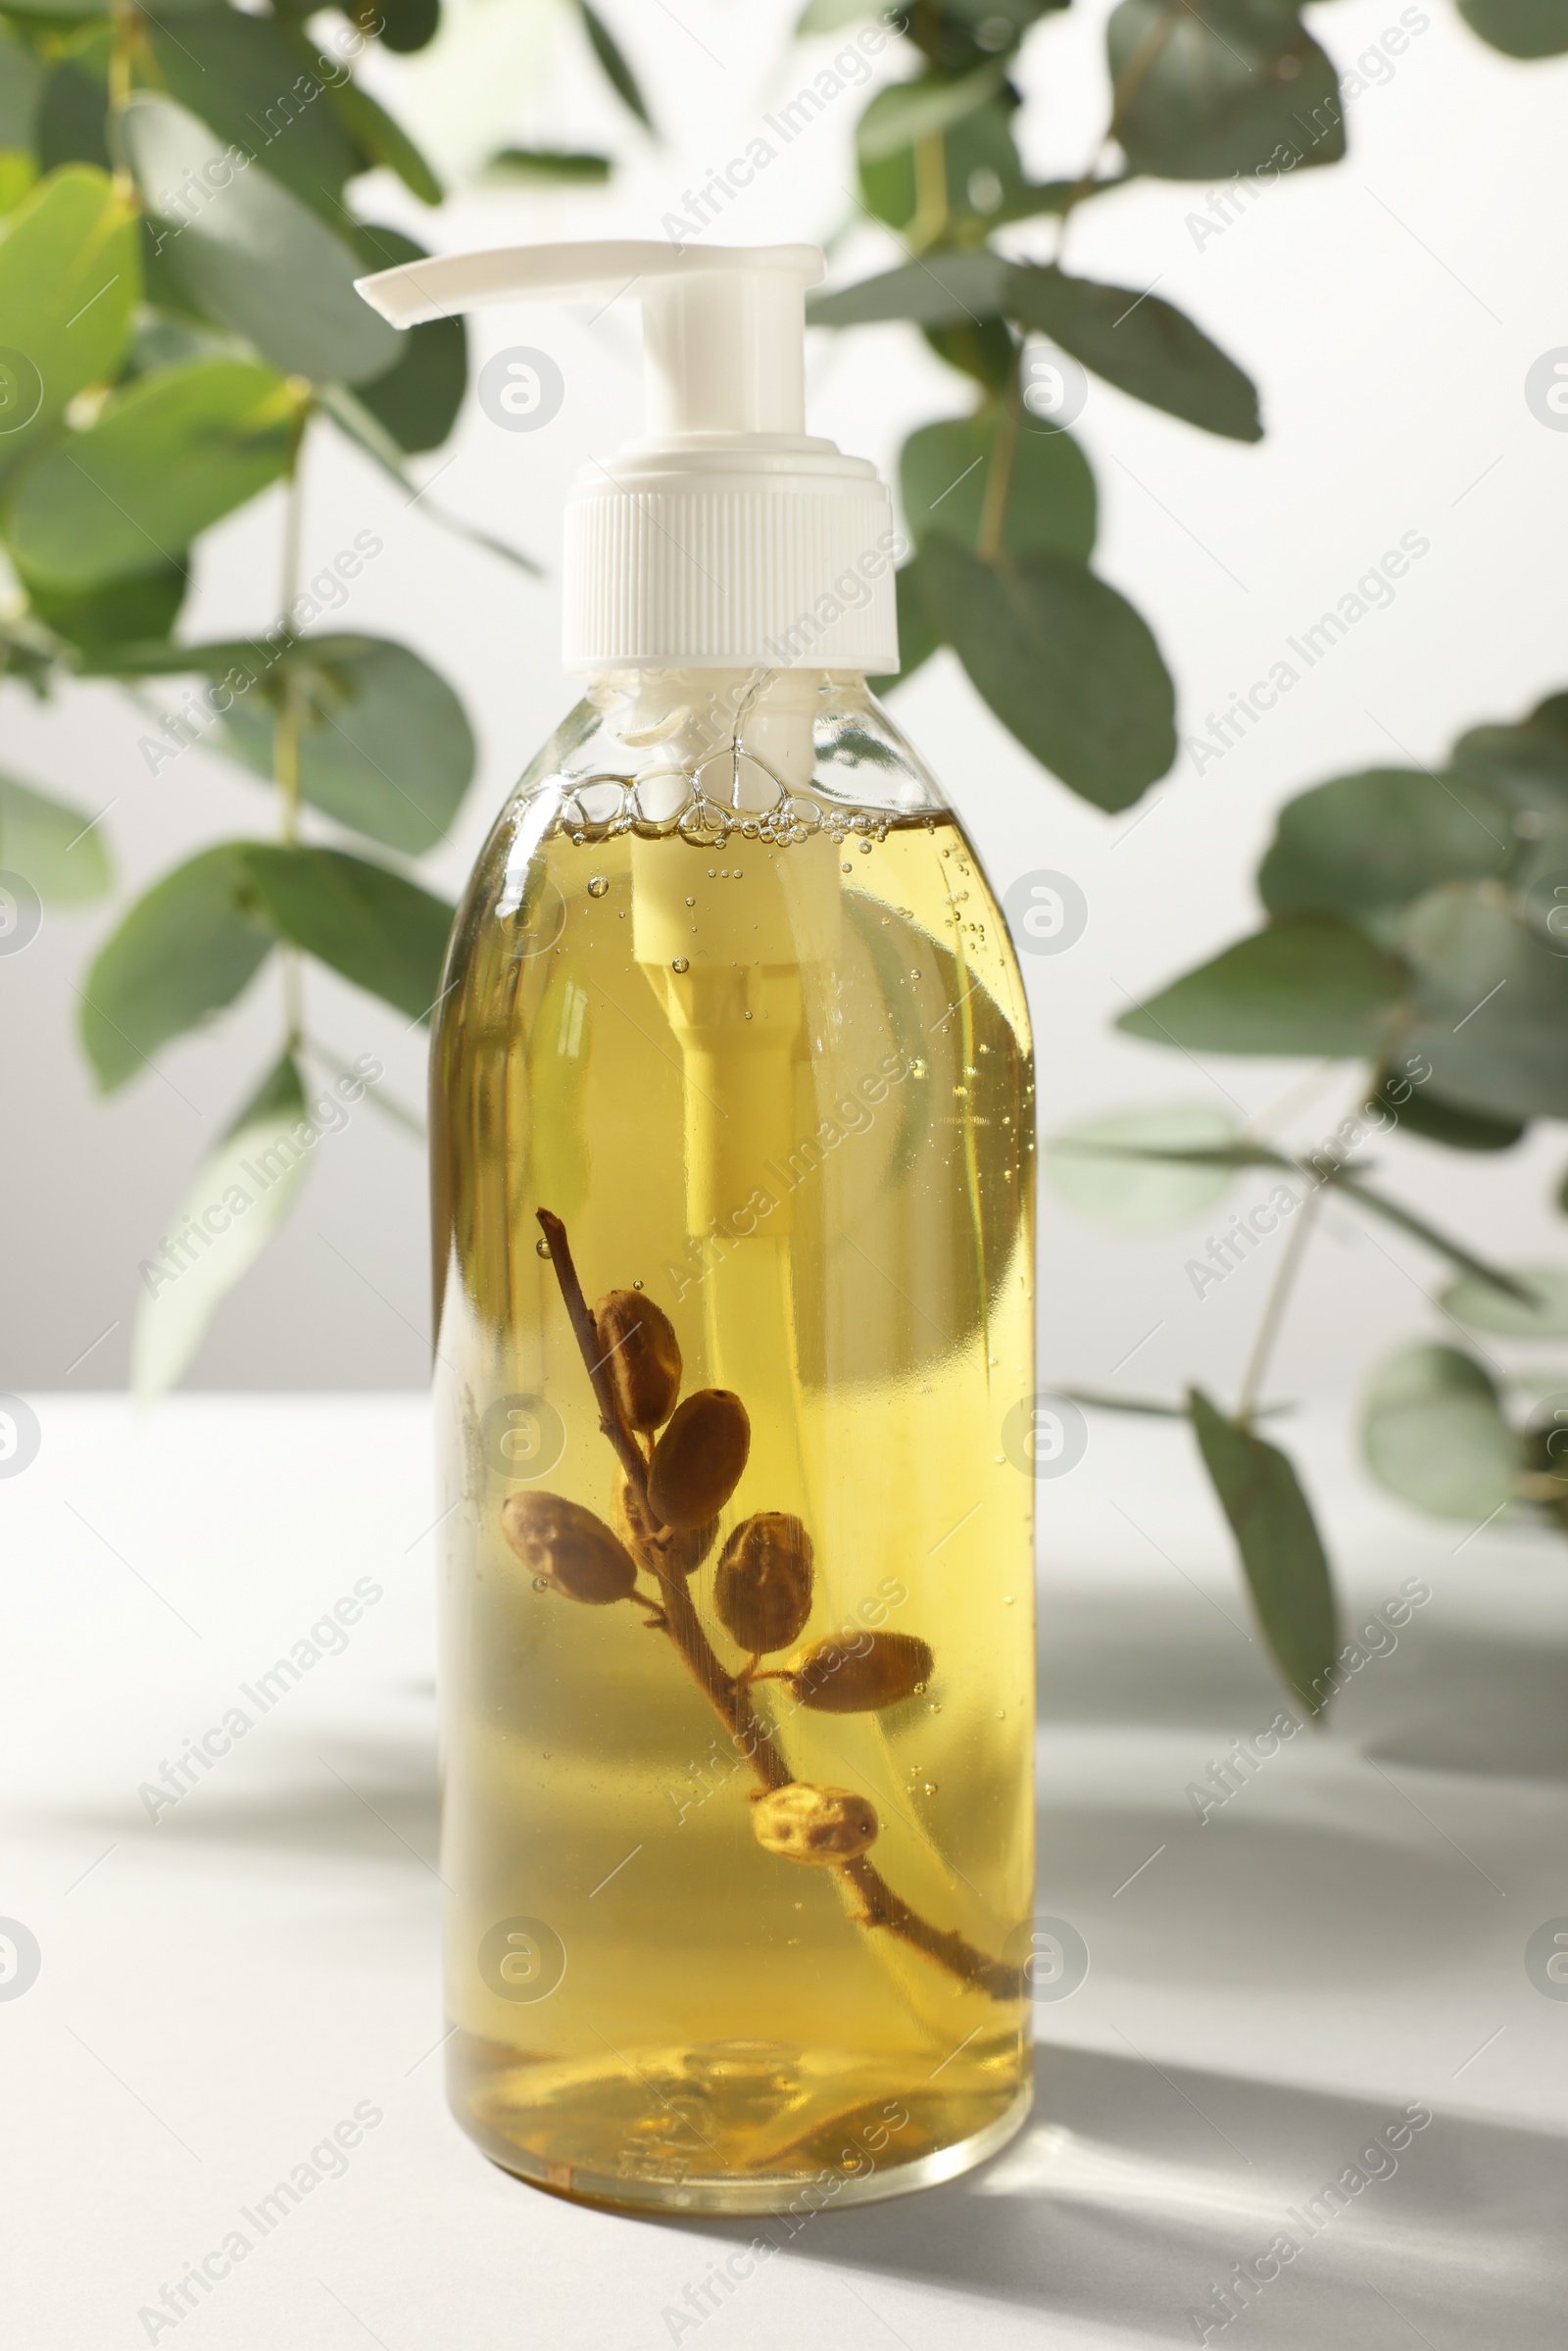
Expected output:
(726, 538)
(722, 329)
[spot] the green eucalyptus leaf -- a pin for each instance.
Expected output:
(249, 253)
(1281, 1553)
(1050, 197)
(142, 605)
(50, 17)
(1519, 27)
(1140, 1195)
(165, 460)
(1144, 346)
(255, 90)
(918, 632)
(58, 848)
(22, 81)
(187, 948)
(1062, 659)
(907, 112)
(1364, 845)
(384, 745)
(1306, 985)
(163, 341)
(383, 141)
(1485, 1309)
(70, 282)
(238, 1197)
(1432, 1433)
(613, 65)
(407, 25)
(576, 165)
(1421, 1112)
(1236, 86)
(383, 933)
(935, 291)
(73, 118)
(1526, 765)
(19, 174)
(1492, 1002)
(982, 348)
(417, 401)
(944, 471)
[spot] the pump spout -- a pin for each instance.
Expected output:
(724, 326)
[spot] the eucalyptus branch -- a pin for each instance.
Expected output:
(1343, 1175)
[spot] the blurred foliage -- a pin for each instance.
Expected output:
(179, 240)
(1416, 923)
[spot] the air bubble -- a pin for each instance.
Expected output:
(541, 1248)
(598, 887)
(846, 867)
(691, 901)
(681, 963)
(636, 1285)
(541, 1584)
(865, 849)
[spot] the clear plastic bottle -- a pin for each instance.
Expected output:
(732, 1924)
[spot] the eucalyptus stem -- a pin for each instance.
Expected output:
(1269, 1328)
(753, 1737)
(999, 474)
(931, 201)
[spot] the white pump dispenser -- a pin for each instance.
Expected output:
(727, 538)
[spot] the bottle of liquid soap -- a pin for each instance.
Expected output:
(733, 1135)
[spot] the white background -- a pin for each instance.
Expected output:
(1389, 308)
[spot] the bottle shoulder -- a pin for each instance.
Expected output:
(705, 753)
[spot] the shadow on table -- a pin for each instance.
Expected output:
(1451, 1696)
(1134, 2190)
(371, 1795)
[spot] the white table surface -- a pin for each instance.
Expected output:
(219, 1990)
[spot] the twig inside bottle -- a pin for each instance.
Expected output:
(753, 1737)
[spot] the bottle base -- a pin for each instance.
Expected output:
(854, 2175)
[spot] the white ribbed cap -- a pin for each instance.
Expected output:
(728, 539)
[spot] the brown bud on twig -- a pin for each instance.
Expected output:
(763, 1590)
(698, 1461)
(819, 1825)
(569, 1547)
(642, 1356)
(842, 1677)
(680, 1550)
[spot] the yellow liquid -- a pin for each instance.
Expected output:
(650, 2008)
